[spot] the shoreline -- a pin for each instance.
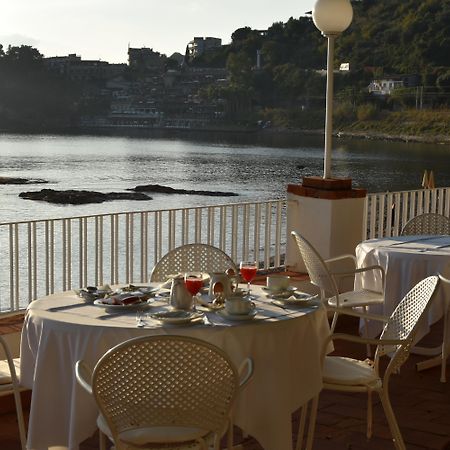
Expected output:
(344, 134)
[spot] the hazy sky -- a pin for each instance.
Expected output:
(102, 29)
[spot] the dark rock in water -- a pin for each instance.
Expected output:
(81, 197)
(299, 166)
(15, 180)
(168, 190)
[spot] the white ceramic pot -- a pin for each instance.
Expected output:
(238, 305)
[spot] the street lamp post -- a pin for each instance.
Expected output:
(327, 211)
(331, 17)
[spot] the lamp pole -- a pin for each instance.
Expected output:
(329, 107)
(331, 17)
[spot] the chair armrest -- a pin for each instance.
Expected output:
(10, 362)
(247, 365)
(84, 375)
(445, 280)
(340, 257)
(359, 340)
(353, 313)
(360, 270)
(363, 340)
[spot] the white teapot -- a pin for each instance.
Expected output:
(224, 280)
(180, 298)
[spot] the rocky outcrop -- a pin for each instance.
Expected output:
(16, 180)
(73, 197)
(157, 188)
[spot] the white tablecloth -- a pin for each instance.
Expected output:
(284, 345)
(407, 260)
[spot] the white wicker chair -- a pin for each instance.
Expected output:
(352, 375)
(429, 223)
(327, 282)
(9, 384)
(164, 392)
(192, 257)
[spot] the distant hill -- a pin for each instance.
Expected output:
(394, 35)
(280, 68)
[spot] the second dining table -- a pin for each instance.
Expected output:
(283, 341)
(406, 260)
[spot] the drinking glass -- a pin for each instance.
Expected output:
(193, 282)
(248, 272)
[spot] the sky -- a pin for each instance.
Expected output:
(103, 29)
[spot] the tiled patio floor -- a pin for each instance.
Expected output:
(421, 404)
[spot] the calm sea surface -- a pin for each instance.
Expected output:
(256, 166)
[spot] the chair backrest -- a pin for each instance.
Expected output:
(192, 257)
(429, 223)
(165, 381)
(318, 271)
(404, 321)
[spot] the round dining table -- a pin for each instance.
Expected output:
(406, 260)
(284, 342)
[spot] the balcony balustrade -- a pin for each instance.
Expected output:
(41, 257)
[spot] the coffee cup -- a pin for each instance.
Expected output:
(278, 282)
(238, 305)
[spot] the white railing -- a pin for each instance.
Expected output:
(387, 213)
(44, 256)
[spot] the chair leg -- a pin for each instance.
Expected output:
(101, 440)
(369, 414)
(392, 421)
(366, 333)
(445, 350)
(312, 423)
(230, 435)
(333, 323)
(301, 426)
(20, 420)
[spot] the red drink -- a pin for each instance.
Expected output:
(193, 284)
(248, 273)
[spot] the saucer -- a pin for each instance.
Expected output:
(118, 308)
(177, 317)
(238, 317)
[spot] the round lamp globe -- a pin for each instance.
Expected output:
(332, 17)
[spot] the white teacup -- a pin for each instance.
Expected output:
(238, 305)
(278, 282)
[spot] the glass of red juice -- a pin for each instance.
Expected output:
(248, 272)
(193, 282)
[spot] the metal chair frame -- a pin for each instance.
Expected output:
(321, 276)
(192, 257)
(427, 224)
(12, 386)
(396, 341)
(158, 382)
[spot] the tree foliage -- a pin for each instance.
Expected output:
(386, 37)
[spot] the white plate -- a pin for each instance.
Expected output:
(176, 317)
(291, 301)
(288, 291)
(292, 297)
(237, 317)
(119, 308)
(147, 290)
